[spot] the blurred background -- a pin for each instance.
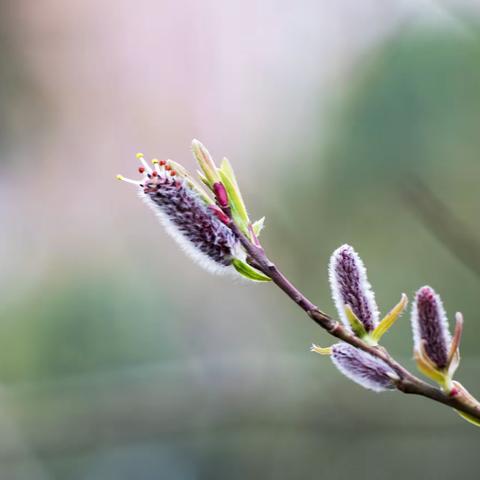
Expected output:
(347, 121)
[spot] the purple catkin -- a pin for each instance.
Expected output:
(362, 368)
(350, 286)
(430, 326)
(186, 215)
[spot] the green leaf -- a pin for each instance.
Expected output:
(466, 398)
(389, 319)
(205, 161)
(469, 418)
(227, 169)
(249, 272)
(258, 226)
(357, 326)
(239, 212)
(426, 366)
(203, 178)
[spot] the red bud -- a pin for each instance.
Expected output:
(220, 194)
(219, 214)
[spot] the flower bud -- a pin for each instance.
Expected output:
(350, 287)
(191, 217)
(430, 327)
(187, 215)
(362, 368)
(220, 194)
(436, 353)
(205, 162)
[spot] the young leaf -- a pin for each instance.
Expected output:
(389, 319)
(258, 226)
(239, 212)
(249, 272)
(357, 326)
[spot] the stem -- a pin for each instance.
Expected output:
(407, 383)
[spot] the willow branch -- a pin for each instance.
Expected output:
(407, 382)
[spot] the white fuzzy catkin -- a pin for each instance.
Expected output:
(350, 286)
(430, 325)
(362, 368)
(190, 248)
(188, 217)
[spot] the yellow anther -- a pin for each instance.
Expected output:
(155, 161)
(120, 177)
(139, 155)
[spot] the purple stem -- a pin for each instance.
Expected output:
(407, 382)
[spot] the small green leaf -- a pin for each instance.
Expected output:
(249, 272)
(357, 326)
(239, 212)
(469, 418)
(203, 178)
(426, 366)
(205, 161)
(227, 169)
(390, 319)
(467, 398)
(321, 350)
(258, 226)
(454, 354)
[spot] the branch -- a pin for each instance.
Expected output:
(171, 192)
(407, 382)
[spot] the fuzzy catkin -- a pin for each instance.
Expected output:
(362, 368)
(430, 326)
(189, 220)
(350, 286)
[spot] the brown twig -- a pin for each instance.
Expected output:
(407, 382)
